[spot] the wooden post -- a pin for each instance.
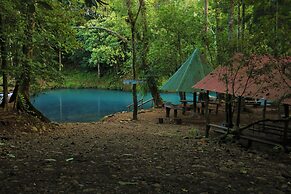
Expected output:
(168, 111)
(238, 112)
(207, 108)
(194, 101)
(230, 124)
(207, 131)
(286, 124)
(175, 113)
(184, 104)
(264, 109)
(264, 113)
(207, 114)
(226, 109)
(286, 110)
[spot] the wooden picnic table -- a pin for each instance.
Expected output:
(174, 107)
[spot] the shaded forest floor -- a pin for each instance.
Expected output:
(118, 155)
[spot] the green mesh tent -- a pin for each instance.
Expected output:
(190, 72)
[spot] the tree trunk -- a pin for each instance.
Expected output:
(4, 65)
(150, 79)
(23, 93)
(206, 33)
(14, 96)
(60, 60)
(239, 26)
(243, 20)
(98, 70)
(134, 93)
(230, 20)
(217, 32)
(179, 49)
(206, 15)
(28, 51)
(132, 22)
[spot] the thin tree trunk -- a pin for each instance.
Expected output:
(243, 20)
(28, 51)
(60, 60)
(206, 3)
(134, 93)
(230, 20)
(98, 70)
(206, 15)
(217, 32)
(150, 79)
(132, 21)
(231, 51)
(4, 65)
(238, 112)
(239, 26)
(179, 51)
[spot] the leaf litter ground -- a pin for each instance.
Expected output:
(118, 155)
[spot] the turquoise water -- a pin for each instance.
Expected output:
(87, 105)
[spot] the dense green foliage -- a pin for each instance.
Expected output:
(176, 28)
(38, 37)
(82, 78)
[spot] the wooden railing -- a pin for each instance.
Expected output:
(268, 131)
(140, 103)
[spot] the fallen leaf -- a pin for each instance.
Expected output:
(50, 160)
(11, 155)
(126, 183)
(69, 159)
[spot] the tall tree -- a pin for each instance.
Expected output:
(150, 79)
(132, 22)
(3, 44)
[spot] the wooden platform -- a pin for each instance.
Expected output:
(271, 132)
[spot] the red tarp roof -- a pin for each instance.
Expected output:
(259, 77)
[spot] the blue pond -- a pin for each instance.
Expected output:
(87, 105)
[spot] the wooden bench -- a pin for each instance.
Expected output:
(174, 107)
(217, 128)
(212, 107)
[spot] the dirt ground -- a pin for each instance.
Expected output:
(118, 155)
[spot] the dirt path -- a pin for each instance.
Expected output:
(123, 156)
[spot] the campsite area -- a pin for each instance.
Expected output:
(145, 96)
(118, 155)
